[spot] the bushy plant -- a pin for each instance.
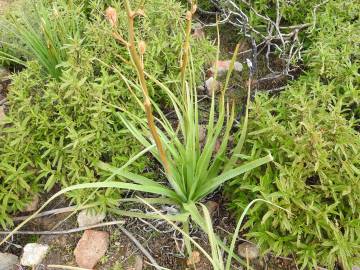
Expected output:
(56, 130)
(311, 130)
(192, 169)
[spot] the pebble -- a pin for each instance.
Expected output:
(90, 248)
(223, 67)
(8, 261)
(89, 218)
(33, 254)
(248, 250)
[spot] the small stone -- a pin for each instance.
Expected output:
(248, 250)
(356, 268)
(193, 259)
(90, 248)
(33, 254)
(212, 86)
(211, 206)
(33, 205)
(8, 261)
(224, 66)
(170, 210)
(87, 218)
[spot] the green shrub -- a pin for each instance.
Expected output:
(311, 130)
(56, 130)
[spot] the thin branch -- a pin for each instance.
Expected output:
(75, 230)
(141, 247)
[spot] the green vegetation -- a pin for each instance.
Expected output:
(87, 116)
(56, 130)
(311, 129)
(26, 37)
(193, 170)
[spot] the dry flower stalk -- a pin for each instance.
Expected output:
(186, 46)
(136, 58)
(111, 16)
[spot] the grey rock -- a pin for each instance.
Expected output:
(33, 254)
(356, 268)
(8, 261)
(248, 250)
(87, 218)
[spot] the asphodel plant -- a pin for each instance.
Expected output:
(193, 169)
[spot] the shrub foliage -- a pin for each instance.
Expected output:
(311, 129)
(56, 130)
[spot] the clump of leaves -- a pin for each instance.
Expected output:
(311, 130)
(39, 33)
(56, 130)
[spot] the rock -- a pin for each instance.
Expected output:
(356, 268)
(33, 254)
(193, 259)
(211, 206)
(212, 85)
(248, 250)
(8, 261)
(223, 67)
(33, 205)
(87, 218)
(90, 248)
(170, 210)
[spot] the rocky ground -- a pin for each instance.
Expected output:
(87, 240)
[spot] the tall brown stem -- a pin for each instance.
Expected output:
(141, 75)
(186, 47)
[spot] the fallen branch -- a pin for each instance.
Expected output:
(75, 230)
(141, 248)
